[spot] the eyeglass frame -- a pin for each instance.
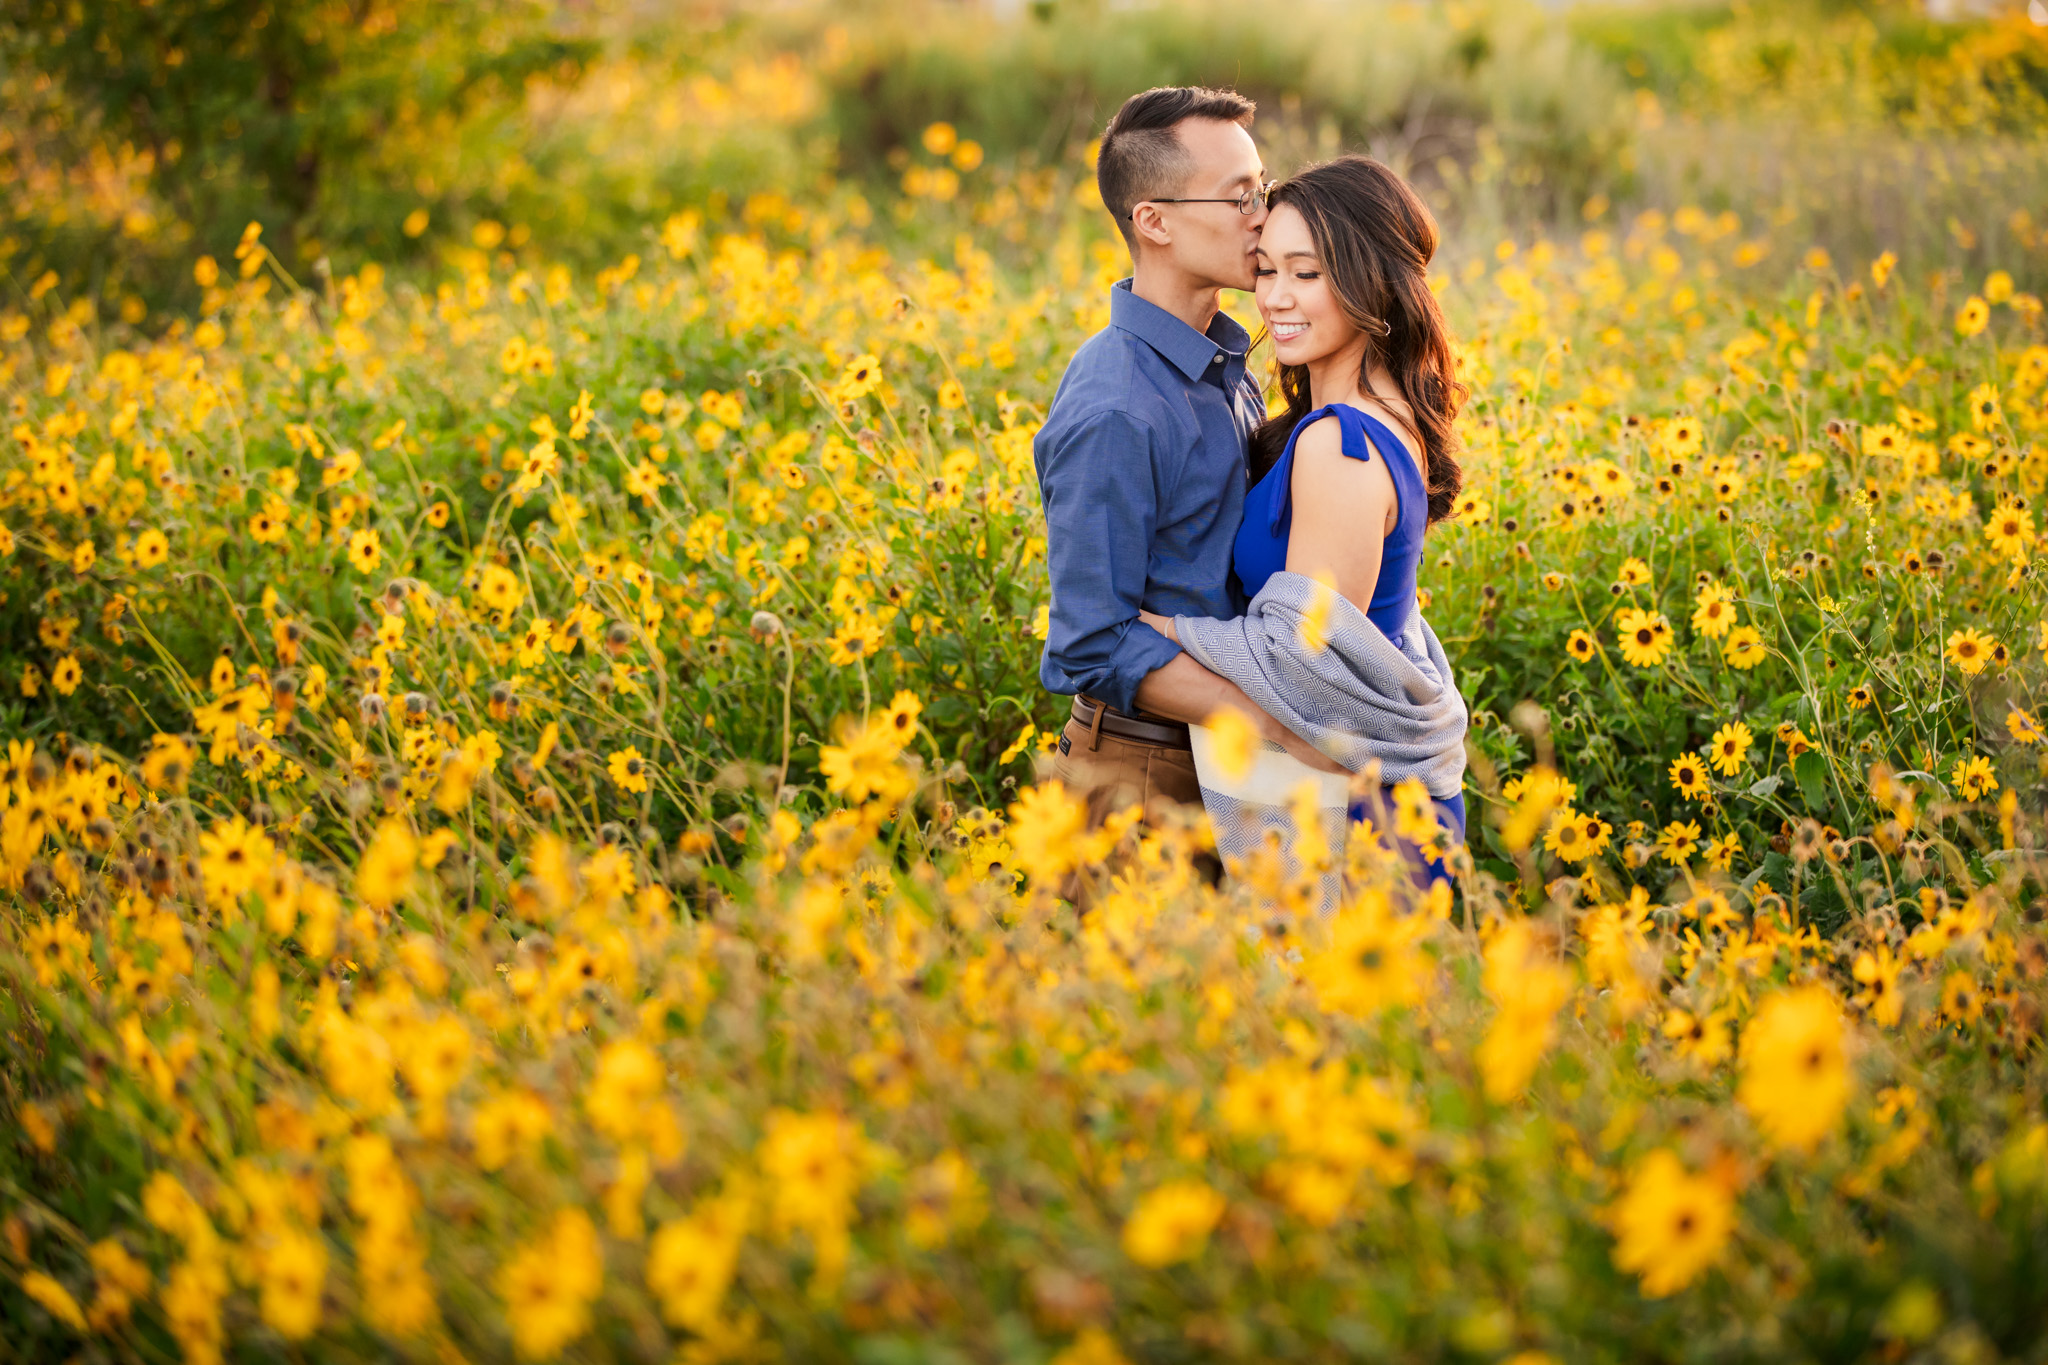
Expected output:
(1259, 196)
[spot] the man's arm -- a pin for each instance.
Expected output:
(1100, 510)
(1183, 690)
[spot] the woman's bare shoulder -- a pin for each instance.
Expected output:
(1320, 440)
(1321, 436)
(1324, 470)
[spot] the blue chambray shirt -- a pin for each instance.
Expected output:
(1141, 467)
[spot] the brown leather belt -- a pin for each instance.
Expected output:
(1100, 719)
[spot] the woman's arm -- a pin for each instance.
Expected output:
(1343, 509)
(1162, 624)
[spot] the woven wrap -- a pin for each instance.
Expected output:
(1358, 699)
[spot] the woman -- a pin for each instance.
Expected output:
(1348, 479)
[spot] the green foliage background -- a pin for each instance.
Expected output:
(136, 133)
(1655, 212)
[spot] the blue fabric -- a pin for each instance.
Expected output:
(1261, 549)
(1141, 468)
(1450, 814)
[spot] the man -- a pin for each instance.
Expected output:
(1141, 461)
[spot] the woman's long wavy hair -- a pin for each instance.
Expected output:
(1374, 238)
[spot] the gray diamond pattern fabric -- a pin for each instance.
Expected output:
(1245, 828)
(1358, 699)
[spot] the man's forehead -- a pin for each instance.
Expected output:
(1221, 150)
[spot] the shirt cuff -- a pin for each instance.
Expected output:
(1142, 651)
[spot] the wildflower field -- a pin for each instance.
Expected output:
(520, 830)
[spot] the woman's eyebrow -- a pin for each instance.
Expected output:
(1293, 254)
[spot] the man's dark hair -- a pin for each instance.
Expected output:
(1142, 157)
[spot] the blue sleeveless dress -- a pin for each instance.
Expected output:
(1261, 552)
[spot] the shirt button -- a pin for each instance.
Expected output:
(1218, 360)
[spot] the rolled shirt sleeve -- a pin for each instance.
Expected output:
(1101, 508)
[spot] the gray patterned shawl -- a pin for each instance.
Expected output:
(1360, 698)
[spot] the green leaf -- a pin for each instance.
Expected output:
(1811, 770)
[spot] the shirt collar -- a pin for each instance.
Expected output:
(1192, 353)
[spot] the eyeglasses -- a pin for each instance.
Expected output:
(1248, 203)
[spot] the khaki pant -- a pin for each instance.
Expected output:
(1110, 773)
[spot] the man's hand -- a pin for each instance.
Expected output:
(1183, 690)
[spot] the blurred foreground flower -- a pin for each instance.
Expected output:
(1172, 1223)
(549, 1285)
(1795, 1072)
(1669, 1225)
